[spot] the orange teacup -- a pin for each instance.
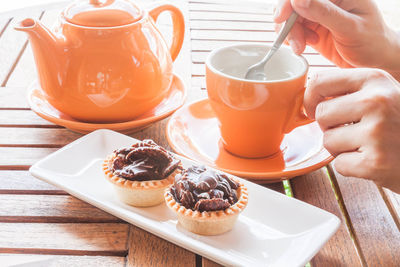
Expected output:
(254, 115)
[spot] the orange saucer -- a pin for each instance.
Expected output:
(174, 100)
(193, 132)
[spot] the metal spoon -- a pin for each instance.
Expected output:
(256, 71)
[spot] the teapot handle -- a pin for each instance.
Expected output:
(178, 22)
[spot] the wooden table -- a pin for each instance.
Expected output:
(38, 221)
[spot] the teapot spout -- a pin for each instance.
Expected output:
(37, 32)
(48, 50)
(26, 25)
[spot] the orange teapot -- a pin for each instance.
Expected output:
(105, 61)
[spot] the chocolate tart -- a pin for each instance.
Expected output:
(141, 173)
(207, 202)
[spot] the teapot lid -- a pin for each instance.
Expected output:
(102, 13)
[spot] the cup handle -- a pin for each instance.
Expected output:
(298, 118)
(178, 22)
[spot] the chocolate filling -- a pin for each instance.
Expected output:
(143, 161)
(202, 189)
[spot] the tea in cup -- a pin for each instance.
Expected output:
(255, 115)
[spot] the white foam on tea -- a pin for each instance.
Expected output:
(235, 61)
(270, 73)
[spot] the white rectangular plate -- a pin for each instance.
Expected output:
(273, 230)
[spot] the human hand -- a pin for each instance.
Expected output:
(359, 112)
(350, 33)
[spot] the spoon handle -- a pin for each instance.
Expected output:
(284, 31)
(256, 71)
(279, 40)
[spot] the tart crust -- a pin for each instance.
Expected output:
(138, 193)
(208, 222)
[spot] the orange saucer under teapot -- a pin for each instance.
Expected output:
(105, 61)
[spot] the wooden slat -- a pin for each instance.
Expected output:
(207, 46)
(232, 8)
(15, 157)
(256, 3)
(394, 202)
(22, 182)
(315, 188)
(314, 68)
(25, 71)
(181, 63)
(10, 136)
(196, 94)
(13, 98)
(64, 238)
(374, 227)
(20, 158)
(209, 263)
(146, 249)
(155, 132)
(199, 82)
(200, 58)
(316, 59)
(4, 23)
(200, 70)
(23, 118)
(12, 44)
(225, 16)
(276, 187)
(49, 208)
(62, 261)
(231, 25)
(233, 35)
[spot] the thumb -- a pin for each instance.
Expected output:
(325, 13)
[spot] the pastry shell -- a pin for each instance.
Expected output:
(208, 222)
(138, 193)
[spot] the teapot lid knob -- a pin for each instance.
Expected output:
(102, 13)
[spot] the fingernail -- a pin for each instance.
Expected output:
(295, 45)
(303, 3)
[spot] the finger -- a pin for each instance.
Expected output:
(278, 27)
(341, 139)
(310, 36)
(282, 11)
(311, 25)
(296, 38)
(326, 13)
(350, 164)
(332, 83)
(338, 111)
